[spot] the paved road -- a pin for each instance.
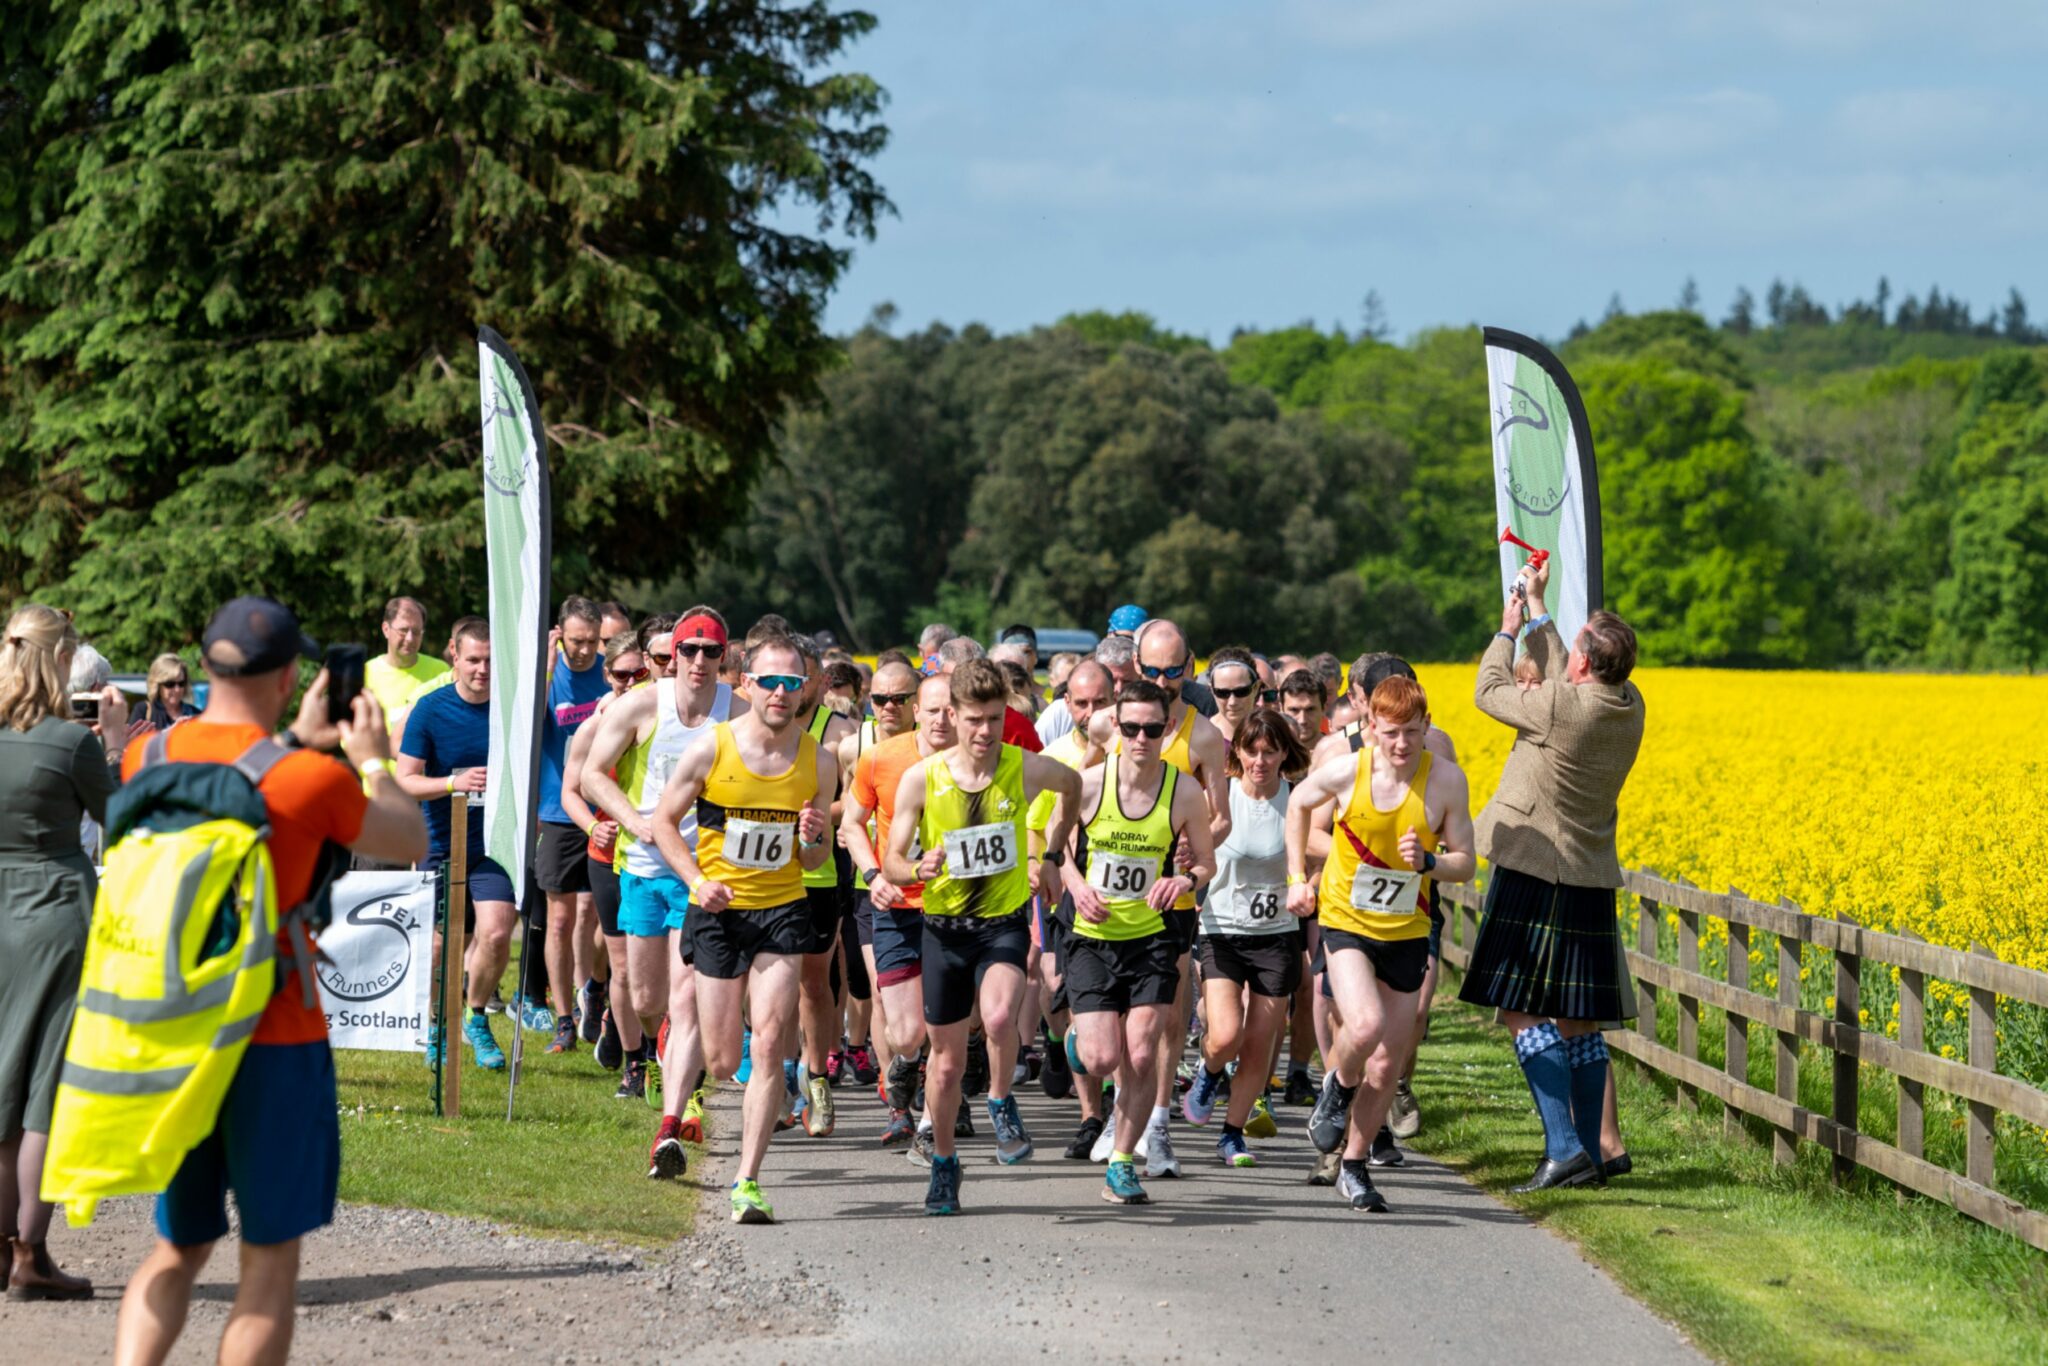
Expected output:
(1223, 1264)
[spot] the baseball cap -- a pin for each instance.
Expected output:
(254, 636)
(1018, 632)
(1126, 619)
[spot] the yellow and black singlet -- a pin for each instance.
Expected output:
(1368, 888)
(983, 836)
(1123, 856)
(746, 824)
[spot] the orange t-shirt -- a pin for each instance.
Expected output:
(876, 776)
(311, 798)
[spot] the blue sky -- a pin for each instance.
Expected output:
(1219, 165)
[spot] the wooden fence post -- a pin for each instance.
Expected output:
(1785, 1142)
(1735, 1033)
(1688, 1004)
(1848, 1046)
(1983, 1056)
(452, 998)
(1648, 913)
(1912, 1036)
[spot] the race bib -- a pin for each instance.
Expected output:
(1262, 903)
(1384, 891)
(761, 845)
(981, 850)
(658, 769)
(1120, 876)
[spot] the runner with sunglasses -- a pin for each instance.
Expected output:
(754, 784)
(1198, 750)
(1234, 679)
(1123, 961)
(829, 890)
(1396, 805)
(964, 808)
(645, 735)
(893, 696)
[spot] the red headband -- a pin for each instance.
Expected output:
(700, 627)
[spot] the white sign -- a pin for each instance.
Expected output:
(376, 961)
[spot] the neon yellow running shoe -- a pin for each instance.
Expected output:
(1259, 1124)
(748, 1207)
(693, 1118)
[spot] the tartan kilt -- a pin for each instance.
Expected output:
(1548, 949)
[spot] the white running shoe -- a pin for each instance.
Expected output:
(1159, 1158)
(1104, 1145)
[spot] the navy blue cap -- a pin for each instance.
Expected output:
(254, 636)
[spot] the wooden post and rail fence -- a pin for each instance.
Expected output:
(1975, 1081)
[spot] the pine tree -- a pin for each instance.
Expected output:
(1741, 319)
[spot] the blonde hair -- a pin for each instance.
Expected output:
(161, 669)
(32, 685)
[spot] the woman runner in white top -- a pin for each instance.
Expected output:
(1251, 949)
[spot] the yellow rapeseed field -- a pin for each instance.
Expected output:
(1907, 801)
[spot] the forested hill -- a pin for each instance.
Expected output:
(1869, 489)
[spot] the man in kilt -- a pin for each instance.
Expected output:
(1549, 950)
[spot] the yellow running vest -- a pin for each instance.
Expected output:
(1368, 888)
(983, 836)
(1125, 856)
(1179, 753)
(746, 824)
(825, 874)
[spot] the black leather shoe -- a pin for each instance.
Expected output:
(1575, 1170)
(1616, 1166)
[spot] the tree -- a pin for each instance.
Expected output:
(1741, 319)
(2014, 321)
(1884, 295)
(259, 239)
(1614, 308)
(1689, 296)
(1373, 322)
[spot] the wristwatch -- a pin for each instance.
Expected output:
(1428, 860)
(1056, 857)
(868, 876)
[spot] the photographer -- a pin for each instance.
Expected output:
(53, 772)
(1548, 953)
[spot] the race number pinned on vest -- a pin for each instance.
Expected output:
(1121, 876)
(763, 846)
(1261, 902)
(981, 850)
(1384, 891)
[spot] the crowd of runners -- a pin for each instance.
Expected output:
(942, 876)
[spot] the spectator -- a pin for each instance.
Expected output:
(90, 672)
(401, 673)
(54, 773)
(277, 1144)
(612, 618)
(167, 694)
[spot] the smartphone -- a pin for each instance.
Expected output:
(85, 706)
(344, 679)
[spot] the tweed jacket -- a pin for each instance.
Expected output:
(1553, 815)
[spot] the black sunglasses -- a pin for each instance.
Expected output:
(1233, 693)
(1151, 730)
(890, 699)
(708, 651)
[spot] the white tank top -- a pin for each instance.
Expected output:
(1249, 892)
(664, 749)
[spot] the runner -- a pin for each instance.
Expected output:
(1374, 903)
(965, 808)
(828, 889)
(575, 683)
(1303, 698)
(1235, 681)
(1122, 962)
(645, 735)
(1251, 950)
(753, 784)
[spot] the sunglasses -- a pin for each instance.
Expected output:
(1233, 693)
(660, 659)
(708, 651)
(789, 683)
(1170, 673)
(890, 699)
(177, 683)
(1151, 730)
(1269, 696)
(629, 676)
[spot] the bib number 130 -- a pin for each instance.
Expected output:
(1119, 876)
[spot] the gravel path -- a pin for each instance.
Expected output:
(1223, 1264)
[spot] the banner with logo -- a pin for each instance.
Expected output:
(376, 971)
(1545, 484)
(517, 518)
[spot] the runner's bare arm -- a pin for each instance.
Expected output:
(1450, 792)
(813, 825)
(1190, 815)
(1050, 775)
(685, 785)
(1318, 789)
(1087, 901)
(896, 864)
(1439, 744)
(1212, 756)
(618, 729)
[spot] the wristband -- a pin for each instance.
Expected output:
(450, 785)
(370, 768)
(1296, 880)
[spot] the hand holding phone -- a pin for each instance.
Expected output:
(344, 664)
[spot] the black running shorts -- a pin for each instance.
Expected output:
(1270, 964)
(1118, 974)
(959, 951)
(562, 862)
(604, 891)
(726, 944)
(1400, 964)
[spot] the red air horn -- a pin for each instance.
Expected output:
(1536, 556)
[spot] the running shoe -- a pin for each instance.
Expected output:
(609, 1050)
(1083, 1147)
(1105, 1143)
(819, 1115)
(1406, 1119)
(661, 1040)
(667, 1160)
(1056, 1077)
(902, 1082)
(534, 1016)
(899, 1130)
(942, 1195)
(496, 1005)
(1384, 1152)
(477, 1031)
(1300, 1091)
(1159, 1155)
(589, 1006)
(1355, 1186)
(1120, 1186)
(1013, 1144)
(835, 1066)
(748, 1205)
(693, 1118)
(860, 1059)
(1332, 1113)
(1327, 1167)
(1200, 1102)
(745, 1072)
(974, 1081)
(1184, 1076)
(632, 1081)
(963, 1125)
(565, 1037)
(1232, 1151)
(1260, 1123)
(921, 1150)
(434, 1046)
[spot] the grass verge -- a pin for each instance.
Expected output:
(1758, 1263)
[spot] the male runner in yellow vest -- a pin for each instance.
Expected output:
(755, 784)
(829, 890)
(965, 808)
(1396, 803)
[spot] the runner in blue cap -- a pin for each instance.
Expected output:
(1126, 620)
